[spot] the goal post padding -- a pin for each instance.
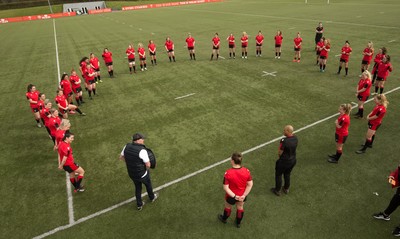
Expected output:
(73, 7)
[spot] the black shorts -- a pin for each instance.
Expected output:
(96, 69)
(71, 168)
(152, 54)
(62, 111)
(365, 62)
(343, 60)
(231, 46)
(172, 50)
(191, 48)
(233, 201)
(35, 110)
(278, 45)
(69, 94)
(131, 60)
(296, 49)
(322, 57)
(318, 53)
(379, 78)
(244, 46)
(340, 139)
(362, 98)
(77, 90)
(92, 82)
(109, 63)
(258, 44)
(373, 126)
(215, 47)
(143, 59)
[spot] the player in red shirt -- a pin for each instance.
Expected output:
(378, 58)
(130, 53)
(190, 42)
(83, 67)
(32, 95)
(152, 52)
(108, 61)
(362, 92)
(297, 47)
(45, 114)
(245, 41)
(259, 42)
(142, 57)
(63, 105)
(64, 127)
(278, 44)
(40, 104)
(53, 123)
(342, 124)
(95, 63)
(76, 87)
(169, 47)
(318, 48)
(383, 69)
(215, 43)
(231, 45)
(367, 56)
(374, 121)
(90, 76)
(66, 162)
(65, 85)
(237, 185)
(344, 58)
(323, 55)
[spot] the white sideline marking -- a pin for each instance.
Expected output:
(180, 97)
(69, 194)
(269, 73)
(354, 103)
(221, 57)
(338, 55)
(83, 219)
(391, 41)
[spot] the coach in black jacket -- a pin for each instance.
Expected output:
(137, 159)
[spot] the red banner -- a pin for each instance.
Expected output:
(37, 17)
(100, 11)
(168, 4)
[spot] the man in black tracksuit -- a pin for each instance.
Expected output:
(137, 160)
(286, 161)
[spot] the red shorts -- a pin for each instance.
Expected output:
(340, 139)
(373, 126)
(71, 168)
(68, 94)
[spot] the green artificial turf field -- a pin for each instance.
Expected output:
(234, 106)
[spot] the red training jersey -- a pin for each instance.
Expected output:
(89, 75)
(259, 39)
(169, 45)
(368, 52)
(379, 111)
(107, 56)
(216, 41)
(384, 69)
(278, 39)
(378, 58)
(244, 40)
(231, 40)
(53, 124)
(346, 51)
(59, 135)
(34, 96)
(75, 81)
(130, 52)
(297, 42)
(65, 150)
(61, 100)
(325, 51)
(320, 44)
(152, 48)
(65, 86)
(344, 122)
(83, 67)
(44, 114)
(364, 83)
(237, 179)
(95, 62)
(190, 42)
(142, 53)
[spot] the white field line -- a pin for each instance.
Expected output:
(69, 194)
(96, 214)
(180, 97)
(391, 41)
(338, 55)
(290, 18)
(221, 57)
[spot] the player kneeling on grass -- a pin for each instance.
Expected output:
(237, 185)
(66, 162)
(394, 203)
(63, 105)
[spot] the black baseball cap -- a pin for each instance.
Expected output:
(137, 136)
